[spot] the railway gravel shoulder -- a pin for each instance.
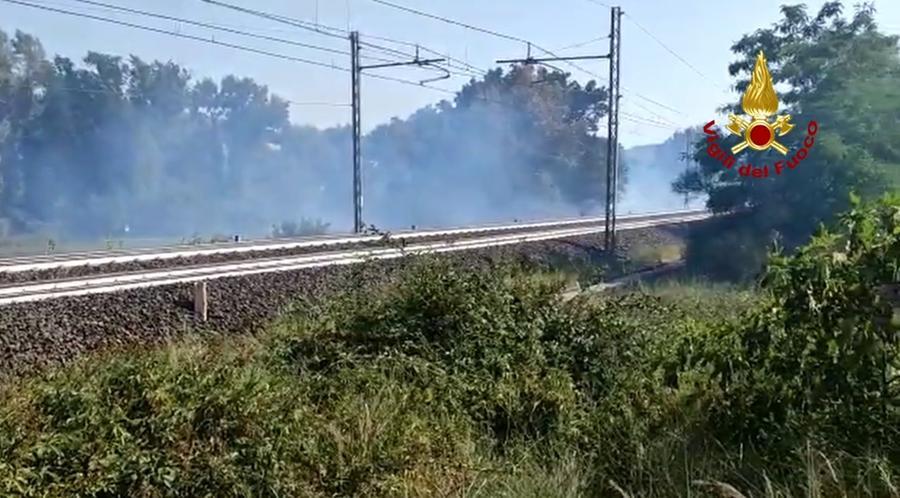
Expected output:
(37, 335)
(20, 277)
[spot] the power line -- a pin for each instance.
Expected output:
(333, 31)
(448, 68)
(465, 72)
(582, 44)
(314, 27)
(481, 30)
(179, 35)
(648, 122)
(664, 46)
(410, 82)
(224, 44)
(631, 117)
(213, 26)
(432, 51)
(318, 104)
(648, 99)
(657, 40)
(451, 21)
(244, 48)
(113, 92)
(384, 49)
(671, 51)
(660, 117)
(635, 121)
(317, 28)
(465, 67)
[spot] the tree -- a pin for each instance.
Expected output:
(844, 74)
(514, 144)
(112, 145)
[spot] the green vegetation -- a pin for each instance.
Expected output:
(127, 148)
(838, 70)
(453, 382)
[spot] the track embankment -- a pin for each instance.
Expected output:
(43, 334)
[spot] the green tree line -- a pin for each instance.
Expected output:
(838, 70)
(113, 144)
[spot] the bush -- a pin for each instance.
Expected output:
(498, 344)
(459, 382)
(183, 422)
(816, 358)
(731, 249)
(502, 348)
(207, 421)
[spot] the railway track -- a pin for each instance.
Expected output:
(113, 271)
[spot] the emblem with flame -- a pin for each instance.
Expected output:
(760, 102)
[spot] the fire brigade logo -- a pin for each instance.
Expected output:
(760, 103)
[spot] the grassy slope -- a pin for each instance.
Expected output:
(447, 384)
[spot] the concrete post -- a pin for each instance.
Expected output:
(201, 301)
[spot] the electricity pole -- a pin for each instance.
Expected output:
(612, 128)
(357, 155)
(687, 160)
(356, 68)
(612, 142)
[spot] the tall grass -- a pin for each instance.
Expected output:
(446, 383)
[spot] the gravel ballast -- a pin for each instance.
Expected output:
(21, 277)
(42, 334)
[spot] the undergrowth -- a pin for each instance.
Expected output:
(487, 384)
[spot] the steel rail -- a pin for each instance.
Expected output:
(46, 262)
(22, 293)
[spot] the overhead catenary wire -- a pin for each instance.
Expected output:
(498, 34)
(451, 21)
(625, 115)
(448, 63)
(447, 66)
(584, 43)
(642, 123)
(647, 122)
(626, 89)
(667, 48)
(424, 48)
(486, 31)
(670, 51)
(652, 101)
(110, 91)
(322, 28)
(657, 115)
(664, 45)
(318, 104)
(656, 39)
(258, 52)
(646, 119)
(249, 49)
(179, 35)
(213, 26)
(309, 26)
(216, 42)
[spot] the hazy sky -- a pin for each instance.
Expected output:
(699, 31)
